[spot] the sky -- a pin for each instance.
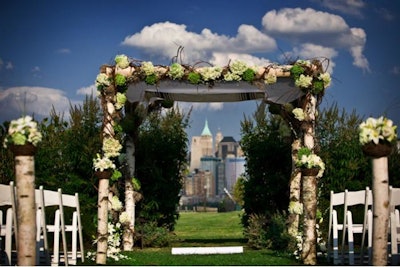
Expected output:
(51, 51)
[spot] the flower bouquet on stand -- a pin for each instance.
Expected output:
(310, 163)
(377, 137)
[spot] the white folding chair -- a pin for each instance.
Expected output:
(9, 228)
(48, 198)
(357, 198)
(336, 199)
(72, 201)
(394, 197)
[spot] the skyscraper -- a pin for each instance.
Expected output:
(201, 146)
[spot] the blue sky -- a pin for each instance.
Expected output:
(51, 51)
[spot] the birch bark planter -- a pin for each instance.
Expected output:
(26, 209)
(309, 171)
(377, 150)
(103, 174)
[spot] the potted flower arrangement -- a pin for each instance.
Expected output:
(310, 163)
(103, 167)
(377, 136)
(23, 136)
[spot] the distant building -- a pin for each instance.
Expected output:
(201, 146)
(213, 167)
(234, 167)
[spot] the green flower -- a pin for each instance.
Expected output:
(176, 71)
(120, 80)
(21, 131)
(248, 75)
(194, 78)
(151, 79)
(296, 70)
(318, 86)
(122, 61)
(121, 99)
(19, 139)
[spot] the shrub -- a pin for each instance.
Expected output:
(256, 231)
(151, 235)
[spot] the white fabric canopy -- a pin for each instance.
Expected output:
(281, 92)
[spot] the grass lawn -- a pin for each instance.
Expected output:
(206, 230)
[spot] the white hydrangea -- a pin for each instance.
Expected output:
(148, 68)
(120, 100)
(270, 78)
(299, 114)
(210, 73)
(304, 81)
(238, 67)
(295, 207)
(312, 161)
(124, 218)
(232, 77)
(102, 80)
(326, 78)
(111, 147)
(122, 61)
(116, 204)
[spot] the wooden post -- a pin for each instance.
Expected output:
(102, 220)
(26, 209)
(380, 191)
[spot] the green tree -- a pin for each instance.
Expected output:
(266, 146)
(160, 162)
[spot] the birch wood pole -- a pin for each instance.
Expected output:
(380, 191)
(309, 191)
(295, 185)
(129, 195)
(26, 210)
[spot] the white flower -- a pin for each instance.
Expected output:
(374, 130)
(116, 204)
(311, 161)
(111, 147)
(232, 77)
(148, 68)
(295, 207)
(176, 71)
(120, 100)
(238, 67)
(299, 114)
(102, 80)
(326, 78)
(270, 78)
(23, 130)
(304, 81)
(210, 73)
(122, 61)
(124, 218)
(102, 163)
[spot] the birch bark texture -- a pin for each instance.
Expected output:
(26, 209)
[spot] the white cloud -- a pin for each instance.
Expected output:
(9, 66)
(199, 106)
(309, 50)
(163, 39)
(38, 101)
(222, 59)
(89, 90)
(351, 7)
(216, 106)
(320, 28)
(63, 51)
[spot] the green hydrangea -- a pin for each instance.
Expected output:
(318, 86)
(151, 79)
(176, 71)
(296, 71)
(194, 78)
(248, 75)
(120, 80)
(121, 99)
